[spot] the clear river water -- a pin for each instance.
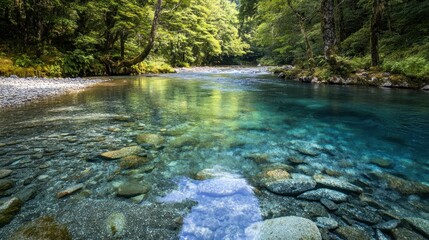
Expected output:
(220, 134)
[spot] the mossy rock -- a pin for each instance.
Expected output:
(8, 210)
(131, 162)
(121, 153)
(44, 228)
(148, 138)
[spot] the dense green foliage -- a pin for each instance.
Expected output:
(282, 26)
(91, 37)
(94, 37)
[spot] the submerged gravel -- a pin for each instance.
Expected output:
(15, 91)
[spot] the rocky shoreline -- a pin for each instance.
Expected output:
(15, 91)
(361, 78)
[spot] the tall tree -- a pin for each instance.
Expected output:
(376, 21)
(302, 20)
(328, 28)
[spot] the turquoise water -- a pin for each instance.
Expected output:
(219, 122)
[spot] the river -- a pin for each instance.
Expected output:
(208, 144)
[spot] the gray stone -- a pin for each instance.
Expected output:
(8, 210)
(380, 235)
(358, 213)
(132, 189)
(69, 190)
(308, 152)
(405, 234)
(426, 87)
(328, 223)
(403, 186)
(421, 225)
(116, 224)
(336, 183)
(324, 193)
(329, 204)
(291, 186)
(291, 228)
(5, 173)
(388, 225)
(124, 152)
(26, 194)
(352, 233)
(5, 185)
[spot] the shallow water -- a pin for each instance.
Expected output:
(218, 122)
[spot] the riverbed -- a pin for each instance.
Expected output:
(209, 154)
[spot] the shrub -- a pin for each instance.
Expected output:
(415, 66)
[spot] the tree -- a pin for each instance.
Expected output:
(328, 28)
(302, 20)
(376, 20)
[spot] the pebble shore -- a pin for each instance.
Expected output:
(16, 91)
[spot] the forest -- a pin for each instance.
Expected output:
(112, 37)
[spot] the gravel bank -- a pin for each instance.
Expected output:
(15, 91)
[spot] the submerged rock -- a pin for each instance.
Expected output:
(325, 222)
(296, 160)
(308, 152)
(291, 186)
(389, 225)
(381, 162)
(5, 185)
(329, 204)
(336, 183)
(291, 228)
(149, 138)
(115, 224)
(358, 213)
(352, 233)
(131, 189)
(121, 153)
(45, 228)
(270, 175)
(421, 225)
(8, 210)
(133, 161)
(405, 234)
(403, 186)
(5, 173)
(69, 190)
(324, 193)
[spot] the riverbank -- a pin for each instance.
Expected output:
(15, 91)
(360, 77)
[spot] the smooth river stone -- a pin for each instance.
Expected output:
(324, 193)
(124, 152)
(336, 183)
(420, 224)
(132, 189)
(149, 138)
(8, 210)
(69, 190)
(291, 186)
(404, 186)
(290, 228)
(5, 173)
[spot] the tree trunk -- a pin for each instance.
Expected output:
(339, 17)
(377, 12)
(328, 28)
(151, 41)
(310, 55)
